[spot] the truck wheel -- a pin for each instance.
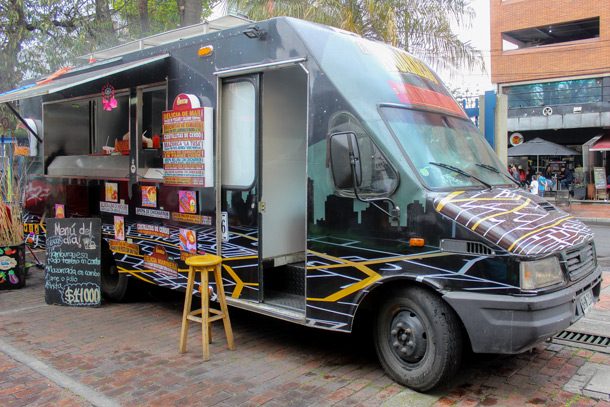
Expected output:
(418, 338)
(114, 284)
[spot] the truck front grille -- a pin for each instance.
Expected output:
(579, 262)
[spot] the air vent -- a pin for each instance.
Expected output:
(579, 262)
(597, 342)
(466, 247)
(547, 206)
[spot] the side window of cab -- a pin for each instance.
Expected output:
(375, 176)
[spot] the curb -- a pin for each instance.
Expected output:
(599, 221)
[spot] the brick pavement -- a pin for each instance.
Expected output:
(128, 352)
(600, 211)
(21, 386)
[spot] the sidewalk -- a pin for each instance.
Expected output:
(127, 354)
(593, 211)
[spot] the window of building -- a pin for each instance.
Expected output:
(551, 34)
(577, 91)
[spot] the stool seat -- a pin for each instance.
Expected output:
(203, 265)
(205, 260)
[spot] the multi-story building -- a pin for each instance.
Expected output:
(551, 58)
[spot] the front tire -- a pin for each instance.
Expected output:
(418, 338)
(114, 284)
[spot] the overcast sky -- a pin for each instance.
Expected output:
(478, 35)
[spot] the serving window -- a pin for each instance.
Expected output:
(83, 137)
(152, 103)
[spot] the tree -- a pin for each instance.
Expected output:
(421, 27)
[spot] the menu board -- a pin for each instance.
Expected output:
(73, 271)
(599, 175)
(187, 143)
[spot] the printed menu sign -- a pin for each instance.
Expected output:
(599, 175)
(187, 143)
(73, 271)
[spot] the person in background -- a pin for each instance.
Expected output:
(566, 177)
(534, 185)
(542, 181)
(530, 174)
(548, 173)
(513, 171)
(522, 176)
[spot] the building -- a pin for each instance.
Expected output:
(551, 58)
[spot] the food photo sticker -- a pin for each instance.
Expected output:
(112, 192)
(188, 240)
(60, 211)
(119, 228)
(149, 196)
(187, 201)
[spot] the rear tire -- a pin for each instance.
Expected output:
(114, 284)
(418, 338)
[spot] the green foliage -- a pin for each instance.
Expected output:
(422, 27)
(40, 36)
(163, 16)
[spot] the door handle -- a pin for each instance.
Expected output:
(261, 207)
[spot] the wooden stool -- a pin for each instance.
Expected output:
(204, 265)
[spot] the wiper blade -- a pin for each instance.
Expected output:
(494, 169)
(461, 172)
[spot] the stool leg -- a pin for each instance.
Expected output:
(223, 306)
(188, 298)
(205, 315)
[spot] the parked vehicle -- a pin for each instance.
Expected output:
(337, 178)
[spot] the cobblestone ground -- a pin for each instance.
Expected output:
(128, 353)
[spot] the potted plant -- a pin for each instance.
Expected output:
(12, 247)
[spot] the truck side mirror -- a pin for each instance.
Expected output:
(345, 160)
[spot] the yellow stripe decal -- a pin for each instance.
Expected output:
(378, 261)
(536, 231)
(447, 199)
(239, 284)
(515, 209)
(372, 275)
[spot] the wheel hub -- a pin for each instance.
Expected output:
(408, 339)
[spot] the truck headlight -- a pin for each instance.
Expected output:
(540, 273)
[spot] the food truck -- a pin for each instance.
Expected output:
(337, 178)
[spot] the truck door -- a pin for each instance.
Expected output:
(283, 186)
(239, 134)
(264, 182)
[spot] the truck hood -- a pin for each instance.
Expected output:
(521, 223)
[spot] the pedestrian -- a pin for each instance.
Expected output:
(542, 182)
(513, 171)
(534, 185)
(548, 173)
(565, 177)
(522, 176)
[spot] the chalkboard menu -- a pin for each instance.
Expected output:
(599, 175)
(73, 272)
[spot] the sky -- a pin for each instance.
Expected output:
(478, 35)
(476, 82)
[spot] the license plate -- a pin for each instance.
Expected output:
(586, 301)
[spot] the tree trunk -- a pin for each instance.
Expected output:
(144, 20)
(103, 27)
(190, 11)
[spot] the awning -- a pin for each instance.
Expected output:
(62, 83)
(603, 144)
(539, 147)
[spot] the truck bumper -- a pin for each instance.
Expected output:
(509, 324)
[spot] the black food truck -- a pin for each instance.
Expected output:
(337, 178)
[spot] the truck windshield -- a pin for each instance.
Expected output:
(428, 138)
